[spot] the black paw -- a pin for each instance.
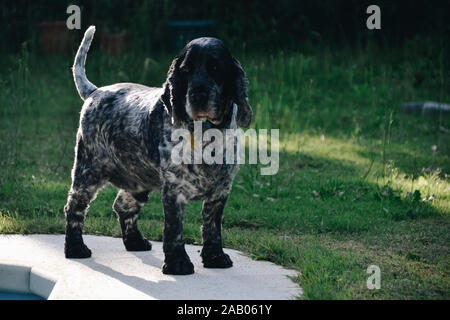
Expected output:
(77, 251)
(139, 244)
(221, 260)
(178, 266)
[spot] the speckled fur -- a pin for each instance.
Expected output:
(124, 138)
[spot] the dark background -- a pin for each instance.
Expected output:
(270, 24)
(361, 181)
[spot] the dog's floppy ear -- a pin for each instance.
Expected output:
(175, 88)
(244, 112)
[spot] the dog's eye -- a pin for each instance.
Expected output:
(184, 70)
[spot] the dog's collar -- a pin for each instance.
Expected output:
(208, 125)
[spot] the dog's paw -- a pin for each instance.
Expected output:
(139, 244)
(221, 260)
(178, 266)
(77, 251)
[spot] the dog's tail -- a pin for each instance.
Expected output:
(84, 86)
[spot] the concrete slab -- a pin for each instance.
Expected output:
(114, 273)
(15, 278)
(41, 282)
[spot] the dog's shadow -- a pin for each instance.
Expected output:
(172, 287)
(145, 286)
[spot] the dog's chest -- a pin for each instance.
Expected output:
(195, 180)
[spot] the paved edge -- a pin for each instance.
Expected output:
(40, 261)
(19, 278)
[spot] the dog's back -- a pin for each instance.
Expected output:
(115, 126)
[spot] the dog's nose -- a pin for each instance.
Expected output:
(198, 98)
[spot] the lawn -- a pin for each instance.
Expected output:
(360, 182)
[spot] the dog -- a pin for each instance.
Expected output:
(124, 138)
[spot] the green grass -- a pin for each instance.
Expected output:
(355, 172)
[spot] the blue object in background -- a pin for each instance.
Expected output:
(19, 296)
(183, 31)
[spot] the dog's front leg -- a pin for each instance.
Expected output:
(176, 259)
(212, 252)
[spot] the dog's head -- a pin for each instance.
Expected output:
(204, 81)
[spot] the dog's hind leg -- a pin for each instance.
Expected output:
(86, 181)
(127, 206)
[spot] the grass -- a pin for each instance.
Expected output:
(360, 182)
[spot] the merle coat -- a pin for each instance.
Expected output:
(124, 138)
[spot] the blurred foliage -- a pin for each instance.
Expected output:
(272, 24)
